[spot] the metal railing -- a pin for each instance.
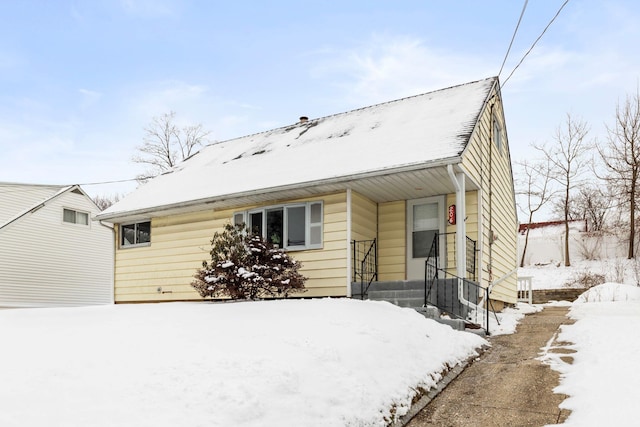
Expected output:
(448, 242)
(365, 264)
(459, 297)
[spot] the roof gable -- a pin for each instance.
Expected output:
(17, 200)
(418, 130)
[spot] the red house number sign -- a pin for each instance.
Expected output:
(452, 214)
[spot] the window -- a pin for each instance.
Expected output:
(497, 134)
(75, 217)
(136, 234)
(294, 226)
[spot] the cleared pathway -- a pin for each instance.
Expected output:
(507, 386)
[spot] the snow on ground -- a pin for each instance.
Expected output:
(602, 382)
(322, 362)
(328, 362)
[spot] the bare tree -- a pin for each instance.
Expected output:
(622, 159)
(165, 145)
(103, 202)
(534, 186)
(592, 203)
(568, 162)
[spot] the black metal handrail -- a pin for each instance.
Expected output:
(431, 267)
(459, 297)
(365, 264)
(447, 240)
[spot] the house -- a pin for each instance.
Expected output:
(391, 178)
(53, 252)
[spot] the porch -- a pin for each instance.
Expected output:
(458, 301)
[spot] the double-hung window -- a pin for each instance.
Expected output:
(135, 234)
(294, 226)
(75, 217)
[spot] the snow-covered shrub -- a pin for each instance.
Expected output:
(245, 266)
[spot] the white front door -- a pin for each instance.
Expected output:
(425, 219)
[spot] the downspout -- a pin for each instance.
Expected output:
(461, 253)
(113, 263)
(480, 243)
(349, 260)
(491, 234)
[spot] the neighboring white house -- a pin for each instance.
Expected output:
(52, 250)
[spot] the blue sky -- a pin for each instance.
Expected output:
(79, 80)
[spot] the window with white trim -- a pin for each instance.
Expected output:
(75, 217)
(135, 234)
(294, 226)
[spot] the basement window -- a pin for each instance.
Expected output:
(293, 227)
(135, 234)
(75, 217)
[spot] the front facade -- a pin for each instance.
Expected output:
(465, 193)
(52, 250)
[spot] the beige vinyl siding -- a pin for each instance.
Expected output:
(471, 225)
(326, 268)
(45, 262)
(163, 270)
(392, 247)
(491, 169)
(179, 244)
(364, 218)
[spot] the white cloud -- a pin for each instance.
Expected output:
(89, 97)
(388, 67)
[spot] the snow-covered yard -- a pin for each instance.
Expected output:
(602, 382)
(323, 362)
(328, 362)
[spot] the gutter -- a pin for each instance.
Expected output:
(337, 180)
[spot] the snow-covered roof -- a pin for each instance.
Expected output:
(419, 130)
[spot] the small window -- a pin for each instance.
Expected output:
(497, 134)
(135, 234)
(75, 217)
(294, 227)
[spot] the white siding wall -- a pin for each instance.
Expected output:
(16, 198)
(46, 262)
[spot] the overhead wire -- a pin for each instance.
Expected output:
(535, 42)
(506, 55)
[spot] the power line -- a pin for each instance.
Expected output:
(506, 55)
(535, 42)
(107, 182)
(26, 187)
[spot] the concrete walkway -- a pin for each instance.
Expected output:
(507, 386)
